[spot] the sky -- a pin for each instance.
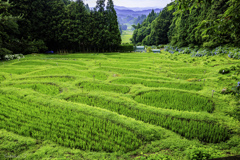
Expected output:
(134, 3)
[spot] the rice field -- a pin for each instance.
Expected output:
(118, 106)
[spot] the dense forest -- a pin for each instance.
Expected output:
(70, 26)
(154, 28)
(28, 26)
(193, 23)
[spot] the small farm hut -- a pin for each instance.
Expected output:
(156, 51)
(140, 49)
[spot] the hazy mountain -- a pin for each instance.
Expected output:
(127, 12)
(134, 8)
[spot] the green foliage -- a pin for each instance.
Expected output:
(8, 29)
(156, 156)
(143, 30)
(149, 49)
(159, 28)
(208, 24)
(125, 48)
(14, 56)
(69, 26)
(224, 71)
(201, 153)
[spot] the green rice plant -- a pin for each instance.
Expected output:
(104, 87)
(122, 70)
(185, 76)
(2, 78)
(75, 56)
(58, 71)
(16, 70)
(187, 70)
(67, 127)
(72, 72)
(48, 78)
(172, 99)
(33, 63)
(97, 75)
(204, 131)
(147, 83)
(44, 88)
(149, 77)
(124, 65)
(67, 61)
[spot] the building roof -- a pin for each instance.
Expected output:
(156, 50)
(140, 47)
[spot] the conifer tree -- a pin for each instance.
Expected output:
(112, 25)
(74, 33)
(8, 29)
(100, 35)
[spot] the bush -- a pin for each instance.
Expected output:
(28, 46)
(224, 71)
(14, 56)
(160, 46)
(234, 54)
(201, 153)
(125, 48)
(3, 52)
(149, 49)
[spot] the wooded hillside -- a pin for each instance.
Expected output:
(59, 25)
(206, 24)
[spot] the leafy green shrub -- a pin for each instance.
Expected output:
(235, 53)
(235, 90)
(3, 52)
(14, 56)
(160, 46)
(201, 153)
(125, 48)
(154, 157)
(149, 49)
(233, 68)
(224, 71)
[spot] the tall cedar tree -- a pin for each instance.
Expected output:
(100, 35)
(65, 25)
(74, 33)
(114, 37)
(8, 29)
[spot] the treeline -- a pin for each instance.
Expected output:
(139, 19)
(144, 29)
(193, 23)
(60, 25)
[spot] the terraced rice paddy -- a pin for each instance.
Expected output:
(116, 106)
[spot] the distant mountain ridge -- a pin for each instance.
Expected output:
(129, 14)
(124, 11)
(135, 8)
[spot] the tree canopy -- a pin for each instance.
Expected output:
(202, 23)
(59, 25)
